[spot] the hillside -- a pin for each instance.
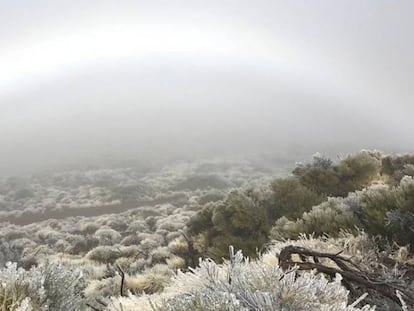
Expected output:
(212, 235)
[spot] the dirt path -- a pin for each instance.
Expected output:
(28, 218)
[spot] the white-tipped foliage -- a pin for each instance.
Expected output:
(45, 288)
(241, 285)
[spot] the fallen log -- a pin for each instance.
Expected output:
(354, 279)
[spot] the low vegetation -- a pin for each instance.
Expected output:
(349, 221)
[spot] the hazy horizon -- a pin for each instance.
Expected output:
(136, 79)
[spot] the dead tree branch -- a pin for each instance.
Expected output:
(352, 276)
(122, 273)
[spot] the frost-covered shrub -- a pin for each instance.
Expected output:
(239, 214)
(138, 225)
(172, 236)
(138, 265)
(210, 197)
(291, 198)
(88, 228)
(379, 210)
(129, 251)
(329, 217)
(17, 285)
(14, 234)
(49, 287)
(319, 175)
(107, 236)
(389, 211)
(357, 171)
(48, 236)
(239, 220)
(132, 239)
(151, 222)
(172, 223)
(175, 262)
(104, 254)
(151, 281)
(178, 246)
(150, 242)
(62, 245)
(352, 173)
(10, 251)
(239, 284)
(64, 288)
(104, 287)
(81, 244)
(160, 255)
(117, 224)
(395, 167)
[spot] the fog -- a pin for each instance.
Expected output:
(121, 80)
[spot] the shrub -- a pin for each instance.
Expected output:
(81, 244)
(352, 173)
(379, 210)
(107, 236)
(242, 285)
(9, 251)
(210, 197)
(239, 220)
(291, 198)
(104, 254)
(150, 281)
(359, 170)
(48, 287)
(397, 166)
(63, 287)
(329, 218)
(389, 211)
(319, 176)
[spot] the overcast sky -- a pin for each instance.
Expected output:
(94, 78)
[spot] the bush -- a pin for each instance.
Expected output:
(352, 173)
(379, 210)
(329, 218)
(397, 166)
(242, 285)
(389, 211)
(291, 199)
(210, 197)
(107, 236)
(48, 287)
(319, 176)
(151, 281)
(9, 251)
(104, 254)
(358, 171)
(239, 220)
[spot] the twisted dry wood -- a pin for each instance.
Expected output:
(351, 274)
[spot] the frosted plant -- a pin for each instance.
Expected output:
(63, 287)
(329, 217)
(107, 236)
(25, 305)
(104, 254)
(241, 285)
(48, 287)
(17, 286)
(9, 251)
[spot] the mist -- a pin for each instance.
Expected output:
(113, 81)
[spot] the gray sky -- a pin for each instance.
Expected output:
(94, 78)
